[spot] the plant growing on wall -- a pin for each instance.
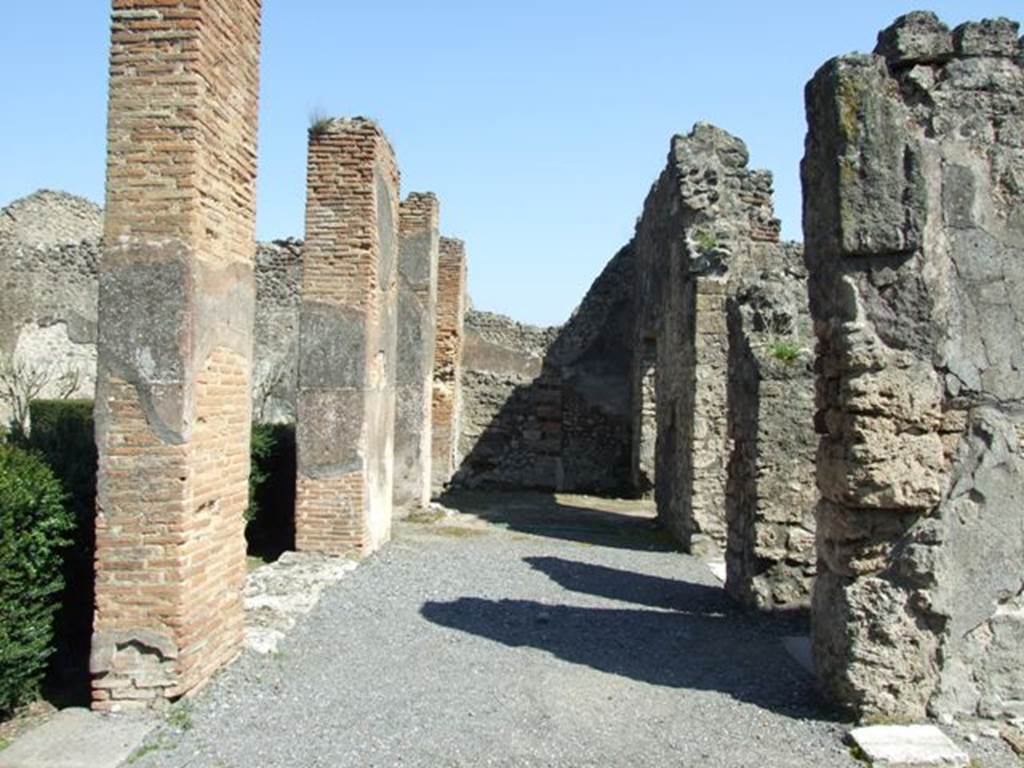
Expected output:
(318, 123)
(785, 351)
(704, 241)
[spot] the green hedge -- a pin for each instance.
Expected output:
(34, 525)
(62, 433)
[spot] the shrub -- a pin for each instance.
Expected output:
(33, 528)
(62, 434)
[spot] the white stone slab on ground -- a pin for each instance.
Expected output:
(717, 567)
(78, 738)
(908, 746)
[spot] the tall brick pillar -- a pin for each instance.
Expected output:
(414, 373)
(451, 309)
(346, 398)
(176, 301)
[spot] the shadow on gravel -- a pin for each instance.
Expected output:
(611, 523)
(696, 639)
(653, 591)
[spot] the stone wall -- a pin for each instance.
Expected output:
(501, 431)
(347, 341)
(49, 252)
(548, 408)
(49, 257)
(706, 220)
(414, 382)
(770, 491)
(914, 227)
(276, 352)
(176, 300)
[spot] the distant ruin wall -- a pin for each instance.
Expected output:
(548, 408)
(914, 224)
(49, 253)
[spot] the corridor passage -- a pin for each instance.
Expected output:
(527, 630)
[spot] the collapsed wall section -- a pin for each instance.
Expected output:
(414, 375)
(175, 310)
(347, 326)
(448, 344)
(915, 246)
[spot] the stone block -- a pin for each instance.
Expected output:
(908, 746)
(916, 38)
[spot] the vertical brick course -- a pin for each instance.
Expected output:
(451, 308)
(417, 299)
(175, 346)
(346, 398)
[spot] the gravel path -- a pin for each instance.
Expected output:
(516, 638)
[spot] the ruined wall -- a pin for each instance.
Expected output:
(448, 345)
(705, 221)
(548, 408)
(414, 378)
(49, 259)
(176, 297)
(49, 250)
(770, 490)
(503, 404)
(346, 403)
(276, 352)
(915, 236)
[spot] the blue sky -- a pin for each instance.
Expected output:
(540, 125)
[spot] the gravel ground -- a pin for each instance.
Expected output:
(532, 633)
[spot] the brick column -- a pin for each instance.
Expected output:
(346, 398)
(451, 308)
(175, 346)
(414, 376)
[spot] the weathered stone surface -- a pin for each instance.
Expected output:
(347, 341)
(548, 408)
(414, 374)
(990, 37)
(278, 594)
(715, 293)
(770, 496)
(913, 242)
(916, 38)
(908, 746)
(176, 297)
(49, 261)
(78, 738)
